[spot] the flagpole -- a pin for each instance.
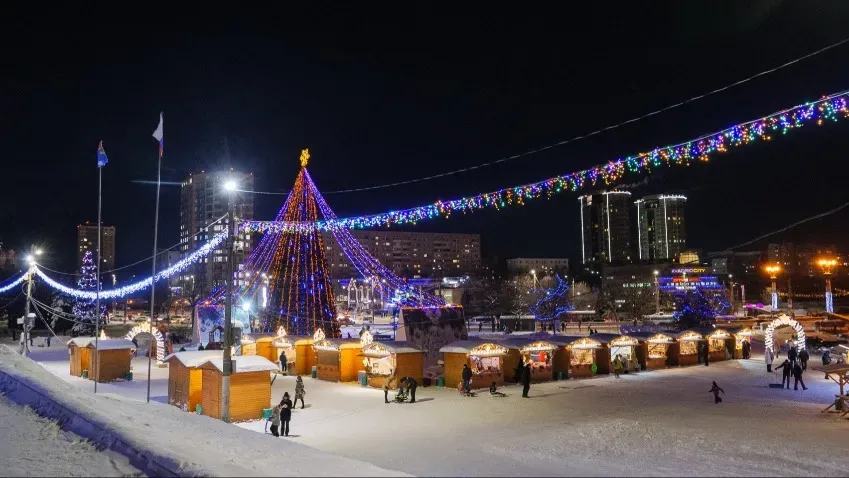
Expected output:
(97, 287)
(153, 277)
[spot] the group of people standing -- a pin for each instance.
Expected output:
(409, 382)
(281, 414)
(795, 364)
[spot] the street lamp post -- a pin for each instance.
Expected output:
(656, 292)
(828, 266)
(731, 292)
(534, 274)
(27, 325)
(230, 187)
(773, 271)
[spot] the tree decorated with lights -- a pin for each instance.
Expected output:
(554, 303)
(85, 308)
(299, 286)
(694, 308)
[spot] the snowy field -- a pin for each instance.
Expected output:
(35, 446)
(652, 423)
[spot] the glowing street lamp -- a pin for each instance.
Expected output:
(773, 271)
(827, 266)
(230, 187)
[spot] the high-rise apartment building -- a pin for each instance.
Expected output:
(660, 228)
(410, 254)
(203, 213)
(87, 241)
(801, 259)
(606, 227)
(540, 265)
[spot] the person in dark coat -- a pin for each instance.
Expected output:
(467, 378)
(386, 386)
(803, 357)
(797, 377)
(299, 391)
(785, 368)
(715, 389)
(480, 326)
(746, 349)
(411, 388)
(284, 362)
(517, 372)
(793, 354)
(275, 419)
(285, 414)
(526, 380)
(706, 352)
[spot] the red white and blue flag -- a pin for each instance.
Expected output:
(101, 156)
(158, 135)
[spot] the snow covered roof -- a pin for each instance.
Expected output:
(616, 339)
(194, 359)
(111, 344)
(254, 337)
(585, 343)
(691, 334)
(241, 364)
(563, 339)
(337, 344)
(393, 347)
(462, 346)
(80, 341)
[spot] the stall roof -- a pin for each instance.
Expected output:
(241, 364)
(112, 344)
(563, 339)
(340, 344)
(678, 335)
(516, 342)
(300, 340)
(729, 331)
(194, 359)
(608, 338)
(395, 347)
(645, 336)
(465, 346)
(80, 341)
(585, 342)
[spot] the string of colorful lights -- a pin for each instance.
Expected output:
(829, 108)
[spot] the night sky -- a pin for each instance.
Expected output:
(391, 94)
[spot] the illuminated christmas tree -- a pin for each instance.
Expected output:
(84, 309)
(301, 294)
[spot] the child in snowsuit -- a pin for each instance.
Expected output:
(493, 391)
(715, 389)
(300, 392)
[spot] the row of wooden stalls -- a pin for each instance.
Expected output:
(553, 357)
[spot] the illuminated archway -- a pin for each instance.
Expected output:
(146, 328)
(785, 320)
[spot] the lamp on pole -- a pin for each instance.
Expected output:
(773, 271)
(230, 187)
(534, 274)
(656, 292)
(828, 266)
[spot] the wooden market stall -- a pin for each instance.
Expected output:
(79, 354)
(486, 360)
(689, 342)
(337, 359)
(109, 359)
(250, 387)
(741, 335)
(588, 357)
(266, 346)
(656, 351)
(385, 360)
(185, 378)
(625, 346)
(720, 345)
(540, 354)
(514, 357)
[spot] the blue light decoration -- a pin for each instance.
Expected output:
(693, 307)
(555, 302)
(11, 285)
(829, 302)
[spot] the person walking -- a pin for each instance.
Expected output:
(803, 357)
(275, 419)
(797, 377)
(467, 378)
(480, 326)
(284, 362)
(526, 380)
(285, 414)
(785, 368)
(715, 389)
(617, 366)
(411, 388)
(706, 352)
(299, 391)
(387, 384)
(768, 358)
(48, 341)
(746, 349)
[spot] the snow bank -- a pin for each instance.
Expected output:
(162, 440)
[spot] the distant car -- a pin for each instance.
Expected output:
(141, 318)
(346, 321)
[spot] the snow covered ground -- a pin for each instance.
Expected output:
(35, 446)
(652, 423)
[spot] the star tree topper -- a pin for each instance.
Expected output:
(305, 157)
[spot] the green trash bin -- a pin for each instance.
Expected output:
(199, 409)
(362, 377)
(129, 377)
(85, 373)
(440, 382)
(560, 375)
(314, 372)
(266, 413)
